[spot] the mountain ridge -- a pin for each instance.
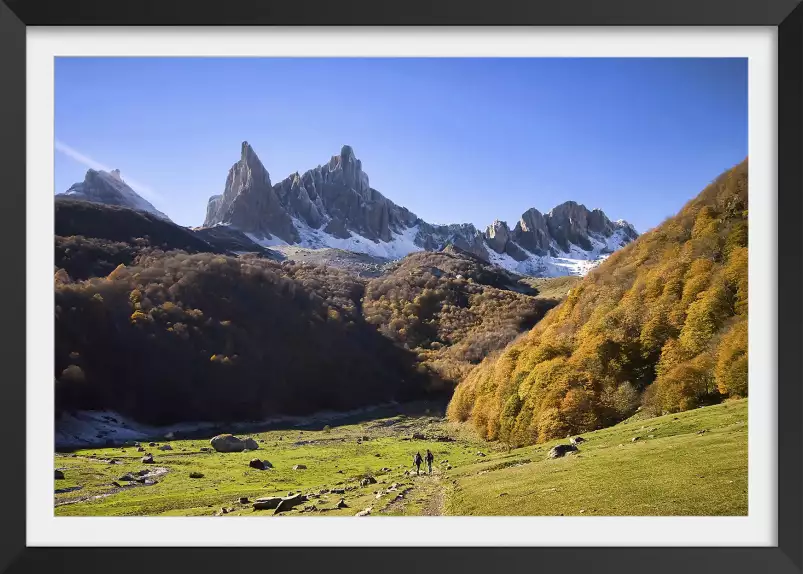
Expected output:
(333, 205)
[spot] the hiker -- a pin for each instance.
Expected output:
(430, 458)
(417, 460)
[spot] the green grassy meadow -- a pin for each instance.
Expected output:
(673, 469)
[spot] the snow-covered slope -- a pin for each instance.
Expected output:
(577, 261)
(109, 188)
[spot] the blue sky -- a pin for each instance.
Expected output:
(453, 140)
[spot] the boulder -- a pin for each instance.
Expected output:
(227, 443)
(635, 439)
(251, 444)
(288, 502)
(151, 444)
(244, 500)
(267, 503)
(147, 459)
(367, 480)
(59, 475)
(300, 467)
(342, 503)
(480, 453)
(257, 464)
(165, 447)
(196, 475)
(577, 440)
(560, 450)
(365, 512)
(140, 449)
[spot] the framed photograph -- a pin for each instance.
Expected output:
(435, 285)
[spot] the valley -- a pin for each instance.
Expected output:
(689, 464)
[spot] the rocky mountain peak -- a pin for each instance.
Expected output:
(109, 188)
(497, 235)
(333, 205)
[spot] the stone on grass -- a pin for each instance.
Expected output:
(367, 480)
(635, 439)
(59, 475)
(480, 453)
(244, 500)
(147, 459)
(577, 440)
(227, 443)
(558, 451)
(288, 502)
(418, 436)
(342, 503)
(196, 475)
(257, 464)
(365, 512)
(251, 444)
(165, 447)
(300, 467)
(267, 503)
(140, 449)
(127, 478)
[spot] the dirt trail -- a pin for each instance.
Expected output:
(427, 490)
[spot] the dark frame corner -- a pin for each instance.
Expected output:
(787, 15)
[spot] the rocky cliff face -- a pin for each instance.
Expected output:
(335, 198)
(110, 189)
(333, 205)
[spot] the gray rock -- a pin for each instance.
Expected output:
(257, 464)
(267, 503)
(560, 450)
(165, 447)
(227, 443)
(251, 444)
(196, 475)
(300, 467)
(368, 480)
(147, 459)
(289, 502)
(59, 475)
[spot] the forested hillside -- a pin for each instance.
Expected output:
(151, 330)
(662, 324)
(452, 309)
(211, 337)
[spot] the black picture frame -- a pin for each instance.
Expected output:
(786, 15)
